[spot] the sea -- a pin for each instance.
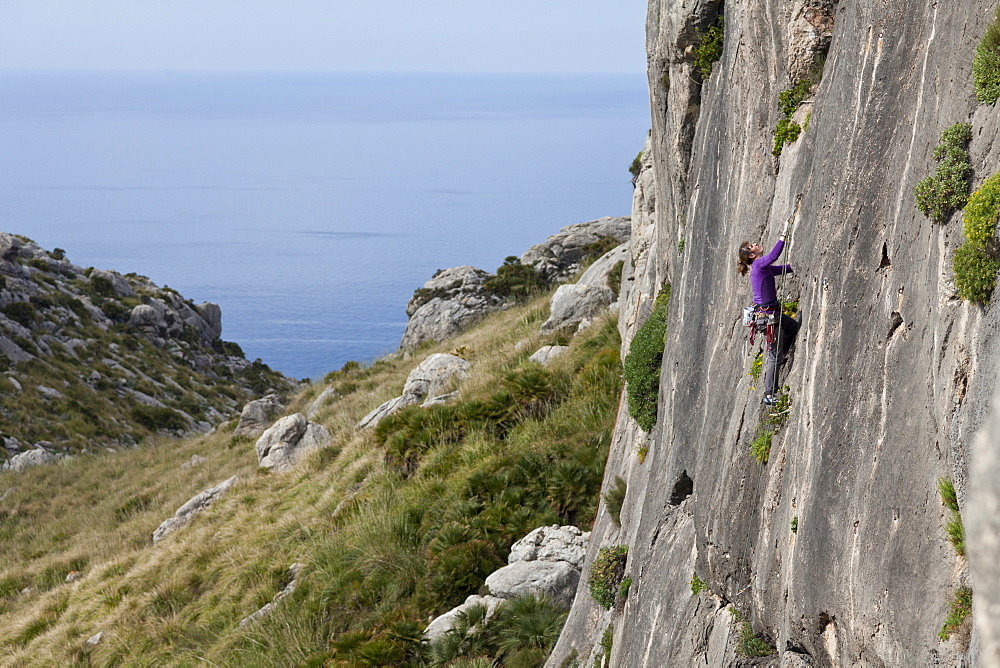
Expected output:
(309, 206)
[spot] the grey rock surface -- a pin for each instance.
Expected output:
(982, 522)
(425, 384)
(116, 280)
(282, 446)
(29, 458)
(326, 395)
(440, 626)
(574, 304)
(560, 255)
(194, 507)
(558, 579)
(552, 543)
(598, 272)
(546, 354)
(258, 415)
(447, 304)
(891, 375)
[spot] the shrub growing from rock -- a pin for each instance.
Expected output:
(515, 281)
(959, 609)
(156, 418)
(986, 64)
(642, 363)
(977, 261)
(614, 498)
(945, 192)
(709, 48)
(606, 574)
(787, 130)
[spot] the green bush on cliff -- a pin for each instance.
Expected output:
(515, 280)
(947, 190)
(787, 130)
(643, 361)
(959, 610)
(606, 574)
(977, 261)
(986, 63)
(709, 48)
(614, 499)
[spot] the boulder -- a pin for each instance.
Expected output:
(323, 397)
(448, 303)
(573, 305)
(211, 314)
(546, 354)
(558, 579)
(560, 255)
(426, 383)
(29, 458)
(14, 352)
(440, 626)
(597, 273)
(117, 281)
(194, 507)
(258, 415)
(147, 317)
(282, 446)
(196, 460)
(552, 543)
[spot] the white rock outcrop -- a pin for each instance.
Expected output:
(426, 384)
(446, 304)
(546, 561)
(438, 628)
(546, 354)
(258, 415)
(282, 446)
(29, 458)
(559, 256)
(194, 507)
(573, 305)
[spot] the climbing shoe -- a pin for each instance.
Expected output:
(770, 400)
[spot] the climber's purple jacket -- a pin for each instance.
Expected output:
(762, 273)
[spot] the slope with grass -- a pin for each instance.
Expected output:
(393, 525)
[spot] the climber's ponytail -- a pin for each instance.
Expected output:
(744, 260)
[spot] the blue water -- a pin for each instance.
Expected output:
(310, 206)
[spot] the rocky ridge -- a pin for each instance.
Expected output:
(455, 298)
(115, 356)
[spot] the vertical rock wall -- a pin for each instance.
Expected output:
(891, 376)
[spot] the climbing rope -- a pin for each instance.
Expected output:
(760, 469)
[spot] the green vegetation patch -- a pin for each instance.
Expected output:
(977, 261)
(606, 574)
(940, 195)
(515, 280)
(986, 63)
(697, 585)
(643, 361)
(752, 645)
(959, 610)
(614, 499)
(954, 526)
(635, 169)
(787, 130)
(708, 50)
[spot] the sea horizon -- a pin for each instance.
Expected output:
(310, 205)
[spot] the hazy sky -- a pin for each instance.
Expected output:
(345, 35)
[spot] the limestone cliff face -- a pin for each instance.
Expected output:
(892, 373)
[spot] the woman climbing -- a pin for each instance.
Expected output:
(765, 296)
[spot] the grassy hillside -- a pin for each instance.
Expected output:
(392, 525)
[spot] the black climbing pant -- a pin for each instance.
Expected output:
(777, 351)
